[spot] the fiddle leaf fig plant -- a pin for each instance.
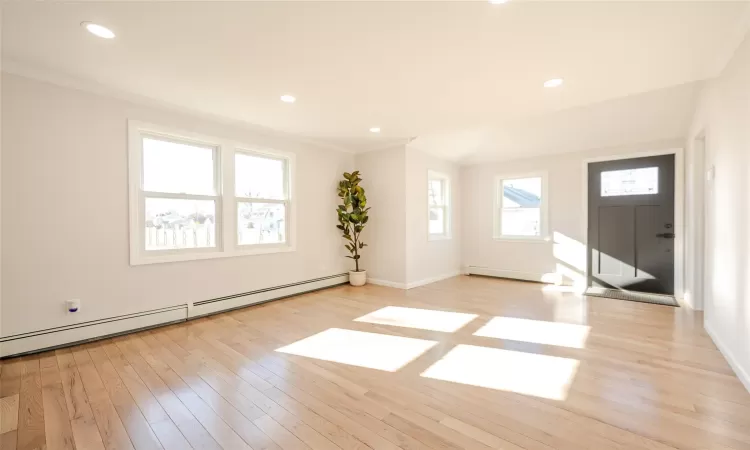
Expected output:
(352, 214)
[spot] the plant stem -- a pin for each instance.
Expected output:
(356, 250)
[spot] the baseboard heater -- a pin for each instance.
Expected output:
(68, 335)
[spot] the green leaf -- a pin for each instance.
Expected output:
(347, 175)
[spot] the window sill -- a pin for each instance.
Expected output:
(140, 260)
(439, 237)
(526, 239)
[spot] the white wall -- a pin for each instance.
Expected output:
(399, 253)
(723, 113)
(383, 178)
(429, 260)
(564, 252)
(65, 213)
(1, 184)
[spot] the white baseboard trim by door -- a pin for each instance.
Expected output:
(386, 283)
(741, 373)
(550, 278)
(414, 284)
(56, 337)
(264, 295)
(60, 336)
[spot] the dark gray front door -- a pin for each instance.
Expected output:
(631, 224)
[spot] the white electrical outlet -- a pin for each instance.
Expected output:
(73, 305)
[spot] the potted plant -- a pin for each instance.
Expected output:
(352, 220)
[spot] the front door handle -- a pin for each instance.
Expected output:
(665, 235)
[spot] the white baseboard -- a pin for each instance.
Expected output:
(251, 298)
(57, 337)
(386, 283)
(413, 284)
(87, 331)
(550, 278)
(432, 280)
(741, 373)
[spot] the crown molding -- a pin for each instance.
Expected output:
(15, 67)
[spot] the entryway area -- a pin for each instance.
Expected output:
(631, 229)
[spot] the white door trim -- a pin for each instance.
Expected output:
(679, 205)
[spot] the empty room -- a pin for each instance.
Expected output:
(375, 225)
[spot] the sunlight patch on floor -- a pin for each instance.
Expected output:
(536, 331)
(505, 370)
(423, 319)
(358, 348)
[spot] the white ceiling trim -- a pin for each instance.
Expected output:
(57, 78)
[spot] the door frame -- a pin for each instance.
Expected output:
(679, 208)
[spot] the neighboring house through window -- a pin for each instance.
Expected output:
(197, 197)
(520, 207)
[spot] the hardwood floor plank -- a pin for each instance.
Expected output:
(149, 406)
(57, 427)
(188, 425)
(647, 378)
(31, 435)
(82, 422)
(8, 413)
(139, 432)
(8, 440)
(169, 435)
(113, 432)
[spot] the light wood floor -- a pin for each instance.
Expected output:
(646, 377)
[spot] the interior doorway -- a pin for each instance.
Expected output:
(631, 229)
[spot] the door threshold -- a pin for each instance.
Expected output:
(643, 297)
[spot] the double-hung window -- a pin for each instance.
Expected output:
(521, 207)
(198, 197)
(438, 206)
(261, 191)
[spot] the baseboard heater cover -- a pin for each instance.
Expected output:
(57, 337)
(64, 336)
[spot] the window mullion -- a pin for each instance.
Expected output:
(228, 205)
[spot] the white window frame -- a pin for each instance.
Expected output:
(498, 205)
(286, 201)
(447, 207)
(227, 236)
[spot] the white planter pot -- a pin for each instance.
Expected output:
(357, 278)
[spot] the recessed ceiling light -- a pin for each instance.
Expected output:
(98, 30)
(498, 2)
(288, 98)
(375, 130)
(555, 82)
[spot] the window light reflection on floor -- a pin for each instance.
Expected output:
(358, 348)
(424, 319)
(506, 370)
(536, 331)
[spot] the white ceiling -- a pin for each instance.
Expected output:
(464, 78)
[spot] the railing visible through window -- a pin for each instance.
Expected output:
(197, 197)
